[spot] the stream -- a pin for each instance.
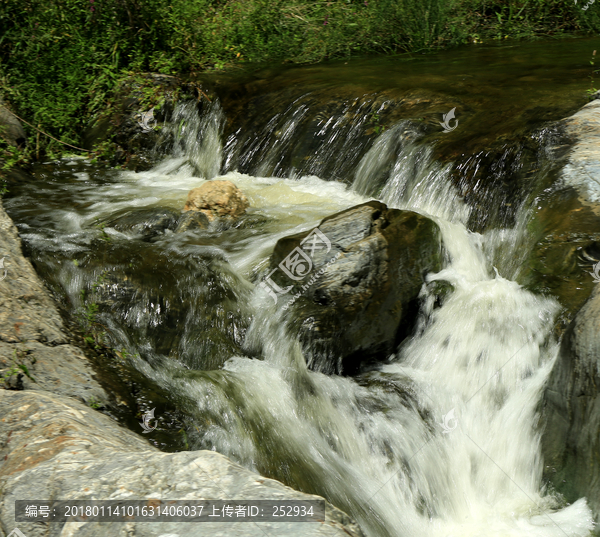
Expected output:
(441, 439)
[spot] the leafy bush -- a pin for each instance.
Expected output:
(61, 59)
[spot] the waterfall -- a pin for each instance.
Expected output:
(442, 441)
(196, 138)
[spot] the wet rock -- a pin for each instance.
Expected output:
(35, 353)
(192, 220)
(151, 297)
(131, 124)
(571, 438)
(217, 199)
(11, 129)
(565, 226)
(564, 232)
(583, 169)
(146, 223)
(53, 447)
(247, 224)
(353, 284)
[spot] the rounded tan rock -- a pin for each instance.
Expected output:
(217, 199)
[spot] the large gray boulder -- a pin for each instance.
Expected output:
(571, 438)
(53, 447)
(365, 268)
(564, 230)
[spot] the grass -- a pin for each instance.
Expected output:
(61, 61)
(95, 403)
(18, 369)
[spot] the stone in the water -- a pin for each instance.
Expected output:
(571, 439)
(146, 223)
(191, 221)
(217, 199)
(357, 297)
(53, 447)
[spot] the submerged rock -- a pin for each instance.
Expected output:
(53, 447)
(571, 439)
(196, 220)
(192, 220)
(354, 282)
(217, 199)
(146, 223)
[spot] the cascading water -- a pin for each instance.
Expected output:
(441, 441)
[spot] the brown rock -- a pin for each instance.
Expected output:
(217, 199)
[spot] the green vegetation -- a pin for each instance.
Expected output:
(61, 61)
(17, 369)
(592, 89)
(95, 403)
(93, 331)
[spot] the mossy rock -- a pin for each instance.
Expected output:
(566, 233)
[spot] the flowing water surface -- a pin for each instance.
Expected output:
(441, 440)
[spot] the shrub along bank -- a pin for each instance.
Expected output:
(61, 60)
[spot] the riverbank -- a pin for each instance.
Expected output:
(61, 67)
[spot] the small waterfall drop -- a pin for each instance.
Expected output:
(197, 138)
(440, 442)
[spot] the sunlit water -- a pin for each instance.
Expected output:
(441, 441)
